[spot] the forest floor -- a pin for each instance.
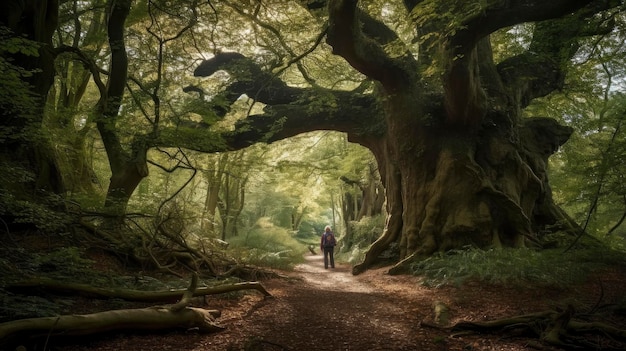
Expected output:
(319, 309)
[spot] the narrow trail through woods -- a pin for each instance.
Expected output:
(330, 309)
(333, 279)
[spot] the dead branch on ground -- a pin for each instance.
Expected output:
(178, 315)
(44, 285)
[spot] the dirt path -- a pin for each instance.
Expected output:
(333, 310)
(330, 309)
(337, 279)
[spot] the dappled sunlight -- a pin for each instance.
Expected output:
(339, 278)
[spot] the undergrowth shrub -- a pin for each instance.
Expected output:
(268, 245)
(45, 212)
(65, 263)
(364, 233)
(515, 266)
(353, 256)
(367, 230)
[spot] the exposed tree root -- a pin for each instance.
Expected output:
(553, 328)
(404, 266)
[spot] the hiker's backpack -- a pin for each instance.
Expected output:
(329, 239)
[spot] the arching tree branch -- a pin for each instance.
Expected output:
(360, 50)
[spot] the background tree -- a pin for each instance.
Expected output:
(67, 119)
(363, 192)
(300, 178)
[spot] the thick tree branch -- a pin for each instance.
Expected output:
(354, 114)
(501, 14)
(554, 44)
(48, 286)
(289, 109)
(359, 48)
(249, 79)
(542, 69)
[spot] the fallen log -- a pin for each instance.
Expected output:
(45, 285)
(176, 316)
(152, 318)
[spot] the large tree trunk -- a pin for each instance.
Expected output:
(126, 174)
(459, 168)
(460, 190)
(449, 188)
(35, 21)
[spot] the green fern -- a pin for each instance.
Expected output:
(515, 266)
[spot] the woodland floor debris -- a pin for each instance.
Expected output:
(334, 310)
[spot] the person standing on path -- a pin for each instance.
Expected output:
(327, 245)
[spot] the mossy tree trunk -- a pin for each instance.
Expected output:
(461, 167)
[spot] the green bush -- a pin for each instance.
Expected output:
(354, 256)
(65, 264)
(44, 213)
(364, 233)
(515, 266)
(268, 245)
(367, 230)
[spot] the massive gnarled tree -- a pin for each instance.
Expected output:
(460, 164)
